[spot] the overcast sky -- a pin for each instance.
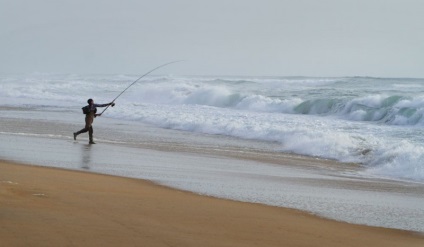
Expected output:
(382, 38)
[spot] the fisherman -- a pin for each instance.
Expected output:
(90, 113)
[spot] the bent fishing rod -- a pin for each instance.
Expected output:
(163, 65)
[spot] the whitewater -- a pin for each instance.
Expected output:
(348, 149)
(375, 122)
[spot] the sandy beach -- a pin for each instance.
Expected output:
(231, 123)
(55, 207)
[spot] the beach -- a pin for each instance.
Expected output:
(183, 174)
(54, 207)
(232, 123)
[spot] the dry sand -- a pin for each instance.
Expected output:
(53, 207)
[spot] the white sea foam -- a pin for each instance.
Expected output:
(349, 119)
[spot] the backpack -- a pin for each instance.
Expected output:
(86, 110)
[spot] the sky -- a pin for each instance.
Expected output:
(380, 38)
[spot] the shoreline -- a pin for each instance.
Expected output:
(44, 206)
(222, 167)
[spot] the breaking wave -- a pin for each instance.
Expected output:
(372, 121)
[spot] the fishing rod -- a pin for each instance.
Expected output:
(163, 65)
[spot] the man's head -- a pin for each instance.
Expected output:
(90, 101)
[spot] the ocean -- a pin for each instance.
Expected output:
(349, 148)
(376, 122)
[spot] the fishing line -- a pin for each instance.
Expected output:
(163, 65)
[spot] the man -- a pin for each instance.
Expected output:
(90, 113)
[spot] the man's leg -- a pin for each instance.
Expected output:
(90, 134)
(88, 122)
(80, 132)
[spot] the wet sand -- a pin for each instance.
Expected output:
(54, 207)
(217, 166)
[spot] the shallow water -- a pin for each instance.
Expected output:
(373, 121)
(215, 165)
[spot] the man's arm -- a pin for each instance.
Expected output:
(103, 105)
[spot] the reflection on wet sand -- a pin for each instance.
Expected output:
(86, 156)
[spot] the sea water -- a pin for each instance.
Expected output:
(375, 122)
(348, 149)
